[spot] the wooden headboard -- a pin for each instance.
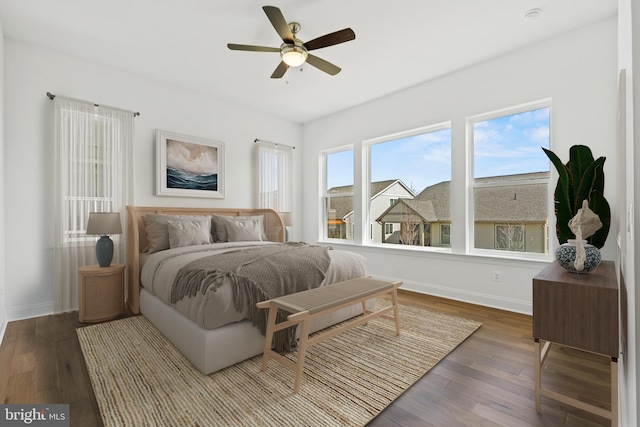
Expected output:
(137, 237)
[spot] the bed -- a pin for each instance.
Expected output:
(214, 341)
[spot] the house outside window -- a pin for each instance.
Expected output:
(510, 179)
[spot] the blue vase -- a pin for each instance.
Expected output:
(104, 251)
(566, 257)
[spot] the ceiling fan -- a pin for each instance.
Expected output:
(293, 51)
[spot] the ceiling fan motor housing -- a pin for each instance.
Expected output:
(294, 54)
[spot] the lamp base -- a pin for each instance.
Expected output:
(104, 251)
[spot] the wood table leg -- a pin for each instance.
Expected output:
(538, 368)
(614, 392)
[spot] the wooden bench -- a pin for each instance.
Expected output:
(307, 305)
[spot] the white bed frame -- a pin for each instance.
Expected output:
(208, 350)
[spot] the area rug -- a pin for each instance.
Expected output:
(140, 379)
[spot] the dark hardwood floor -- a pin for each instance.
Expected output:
(487, 381)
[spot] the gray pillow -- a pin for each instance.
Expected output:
(220, 223)
(158, 231)
(189, 233)
(244, 231)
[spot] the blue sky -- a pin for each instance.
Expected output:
(502, 146)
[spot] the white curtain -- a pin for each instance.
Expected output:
(275, 176)
(93, 158)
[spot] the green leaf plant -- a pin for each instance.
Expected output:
(581, 178)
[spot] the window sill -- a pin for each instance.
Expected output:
(447, 252)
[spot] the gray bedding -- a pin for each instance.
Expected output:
(219, 305)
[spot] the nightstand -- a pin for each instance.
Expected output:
(578, 311)
(100, 293)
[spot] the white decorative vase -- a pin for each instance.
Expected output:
(566, 256)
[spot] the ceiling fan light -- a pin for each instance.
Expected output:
(293, 55)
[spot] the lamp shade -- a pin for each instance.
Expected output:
(103, 223)
(286, 218)
(293, 55)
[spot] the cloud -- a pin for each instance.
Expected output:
(194, 158)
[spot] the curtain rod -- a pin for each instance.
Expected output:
(273, 143)
(51, 96)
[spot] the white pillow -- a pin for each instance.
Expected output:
(189, 233)
(244, 231)
(221, 222)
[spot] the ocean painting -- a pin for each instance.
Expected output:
(189, 166)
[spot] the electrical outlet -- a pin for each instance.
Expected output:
(497, 276)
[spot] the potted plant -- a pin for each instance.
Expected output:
(581, 178)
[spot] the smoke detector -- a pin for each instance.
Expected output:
(531, 15)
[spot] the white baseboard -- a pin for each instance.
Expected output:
(29, 311)
(487, 300)
(3, 323)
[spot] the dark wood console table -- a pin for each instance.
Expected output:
(579, 311)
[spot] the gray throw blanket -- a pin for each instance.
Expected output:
(257, 274)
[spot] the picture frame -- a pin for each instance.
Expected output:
(188, 166)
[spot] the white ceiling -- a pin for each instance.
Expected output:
(398, 43)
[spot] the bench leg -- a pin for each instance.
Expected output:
(302, 352)
(364, 310)
(396, 309)
(268, 336)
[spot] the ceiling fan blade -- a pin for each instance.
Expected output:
(330, 39)
(280, 70)
(323, 65)
(279, 23)
(252, 48)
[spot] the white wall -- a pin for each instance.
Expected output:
(3, 311)
(629, 63)
(30, 73)
(577, 70)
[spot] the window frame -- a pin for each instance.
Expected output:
(462, 188)
(324, 235)
(366, 176)
(471, 184)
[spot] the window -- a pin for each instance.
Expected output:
(510, 179)
(407, 179)
(338, 198)
(94, 163)
(388, 229)
(445, 234)
(275, 176)
(510, 237)
(92, 174)
(409, 182)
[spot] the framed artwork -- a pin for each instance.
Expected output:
(188, 166)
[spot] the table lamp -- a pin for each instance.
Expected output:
(102, 224)
(287, 219)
